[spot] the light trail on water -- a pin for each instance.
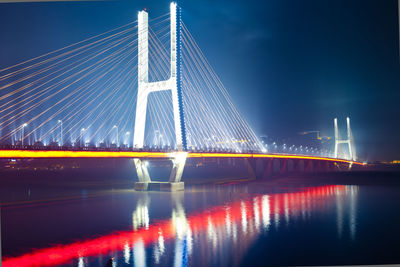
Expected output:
(246, 213)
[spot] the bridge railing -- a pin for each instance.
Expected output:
(114, 148)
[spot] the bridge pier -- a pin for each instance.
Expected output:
(142, 171)
(174, 184)
(283, 166)
(299, 165)
(327, 166)
(268, 169)
(257, 171)
(291, 166)
(317, 166)
(309, 166)
(262, 168)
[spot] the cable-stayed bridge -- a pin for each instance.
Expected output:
(142, 90)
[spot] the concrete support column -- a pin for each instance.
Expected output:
(291, 165)
(327, 166)
(177, 169)
(283, 166)
(251, 167)
(308, 166)
(141, 170)
(298, 166)
(260, 168)
(317, 166)
(268, 168)
(174, 183)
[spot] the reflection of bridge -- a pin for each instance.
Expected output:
(231, 227)
(81, 99)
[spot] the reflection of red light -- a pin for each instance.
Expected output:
(136, 154)
(198, 222)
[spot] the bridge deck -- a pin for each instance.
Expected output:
(150, 154)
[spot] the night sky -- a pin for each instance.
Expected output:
(289, 65)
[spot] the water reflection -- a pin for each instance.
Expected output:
(140, 216)
(1, 255)
(348, 195)
(220, 235)
(81, 262)
(353, 211)
(183, 234)
(139, 253)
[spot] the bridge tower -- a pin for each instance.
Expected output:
(349, 141)
(173, 84)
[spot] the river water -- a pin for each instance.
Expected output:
(226, 225)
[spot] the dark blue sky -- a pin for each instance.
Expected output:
(289, 65)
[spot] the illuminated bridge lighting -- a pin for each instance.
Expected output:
(143, 154)
(94, 107)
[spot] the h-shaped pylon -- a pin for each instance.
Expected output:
(349, 141)
(145, 87)
(173, 83)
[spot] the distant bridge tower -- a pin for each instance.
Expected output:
(349, 141)
(173, 83)
(145, 88)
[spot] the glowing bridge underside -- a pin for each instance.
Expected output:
(154, 155)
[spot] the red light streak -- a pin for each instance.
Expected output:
(62, 254)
